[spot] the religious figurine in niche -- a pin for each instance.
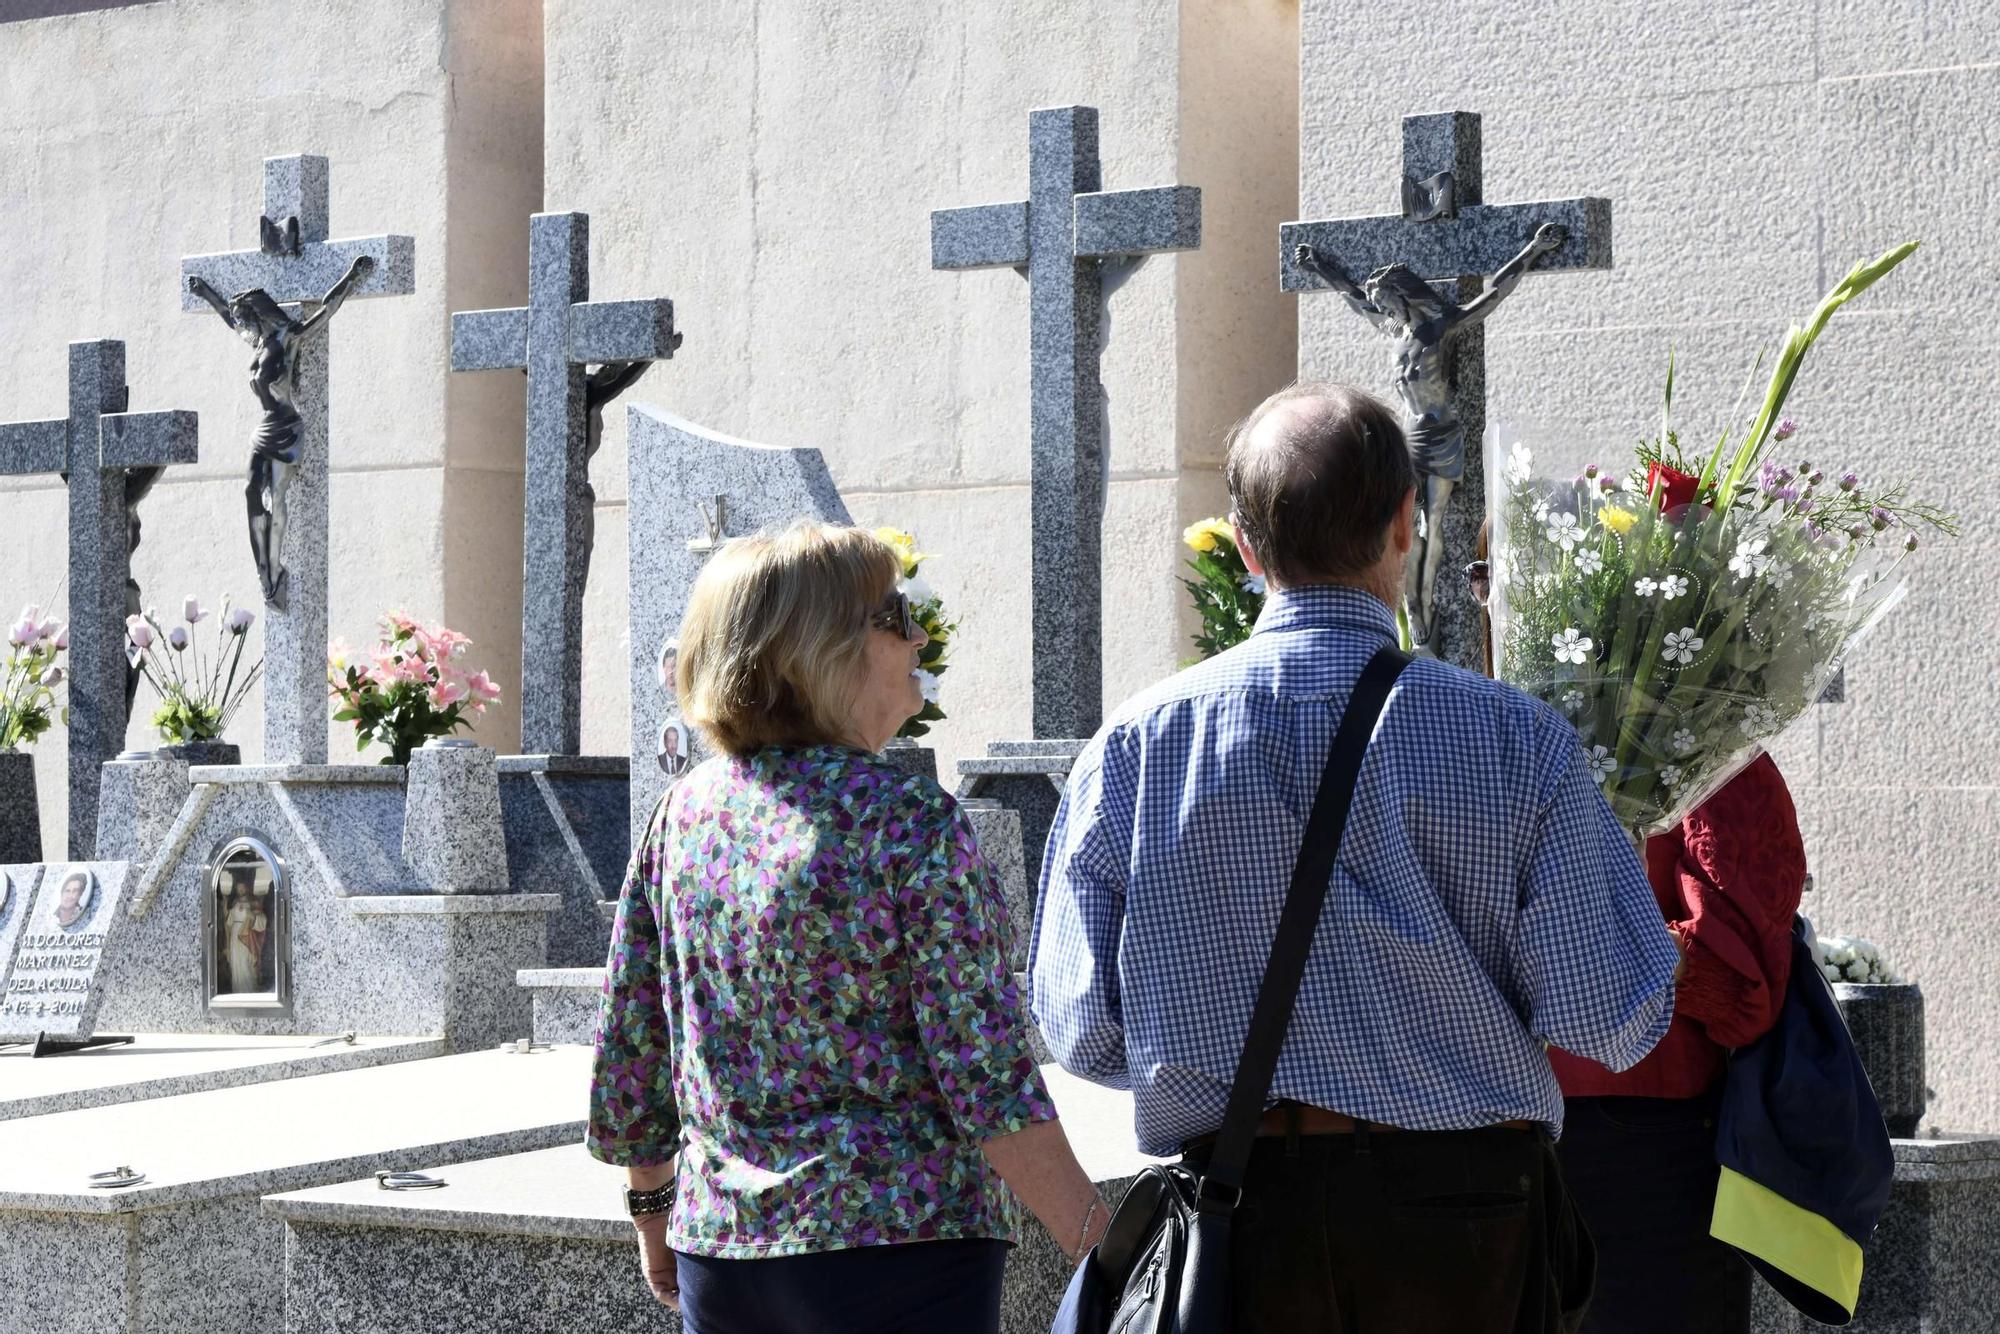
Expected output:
(246, 928)
(76, 898)
(1405, 307)
(278, 338)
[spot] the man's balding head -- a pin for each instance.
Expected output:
(1316, 474)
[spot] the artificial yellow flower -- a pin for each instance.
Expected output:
(906, 548)
(1617, 520)
(1203, 536)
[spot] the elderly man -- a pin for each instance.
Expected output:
(1483, 904)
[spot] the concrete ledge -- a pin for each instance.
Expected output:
(1947, 1158)
(1017, 765)
(611, 766)
(388, 905)
(226, 774)
(592, 978)
(162, 1065)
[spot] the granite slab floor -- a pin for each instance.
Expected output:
(158, 1065)
(190, 1248)
(538, 1243)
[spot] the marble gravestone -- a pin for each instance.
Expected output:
(17, 898)
(1060, 235)
(691, 489)
(97, 447)
(1451, 238)
(297, 269)
(555, 339)
(54, 985)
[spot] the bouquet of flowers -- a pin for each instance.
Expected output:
(413, 690)
(27, 687)
(927, 610)
(1852, 959)
(198, 694)
(1681, 614)
(1226, 595)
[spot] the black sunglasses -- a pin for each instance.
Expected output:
(894, 616)
(1479, 581)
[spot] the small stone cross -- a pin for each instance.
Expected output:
(1451, 238)
(95, 447)
(555, 337)
(1060, 234)
(296, 264)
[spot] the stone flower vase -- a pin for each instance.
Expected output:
(20, 811)
(1887, 1022)
(907, 754)
(203, 752)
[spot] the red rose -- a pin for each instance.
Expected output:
(1679, 488)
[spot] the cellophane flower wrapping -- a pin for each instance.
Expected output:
(1679, 640)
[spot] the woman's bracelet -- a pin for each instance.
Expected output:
(1083, 1233)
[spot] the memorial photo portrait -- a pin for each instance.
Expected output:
(673, 748)
(75, 899)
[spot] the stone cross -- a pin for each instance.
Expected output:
(297, 265)
(1061, 234)
(554, 338)
(1450, 237)
(94, 447)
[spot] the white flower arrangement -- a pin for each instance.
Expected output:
(1852, 959)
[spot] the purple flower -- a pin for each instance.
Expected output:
(239, 620)
(140, 633)
(178, 638)
(1849, 480)
(1787, 494)
(191, 610)
(1879, 518)
(53, 676)
(1787, 428)
(1911, 545)
(1858, 531)
(22, 633)
(1590, 470)
(1805, 505)
(62, 639)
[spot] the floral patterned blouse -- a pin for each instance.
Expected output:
(808, 998)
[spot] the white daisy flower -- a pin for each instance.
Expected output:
(1588, 562)
(1519, 463)
(1645, 588)
(1571, 645)
(1572, 700)
(1670, 774)
(1681, 645)
(1683, 741)
(1564, 532)
(1757, 718)
(1602, 764)
(1672, 586)
(1750, 558)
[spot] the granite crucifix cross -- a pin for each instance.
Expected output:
(96, 447)
(1448, 237)
(1061, 234)
(555, 337)
(297, 267)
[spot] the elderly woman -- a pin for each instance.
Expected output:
(812, 1058)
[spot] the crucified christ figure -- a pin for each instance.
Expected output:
(278, 337)
(1402, 305)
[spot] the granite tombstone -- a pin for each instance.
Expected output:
(54, 988)
(98, 447)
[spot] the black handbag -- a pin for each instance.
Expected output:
(1162, 1266)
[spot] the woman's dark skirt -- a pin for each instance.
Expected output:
(917, 1287)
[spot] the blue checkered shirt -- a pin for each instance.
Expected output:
(1484, 901)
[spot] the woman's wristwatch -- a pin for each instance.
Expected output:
(658, 1200)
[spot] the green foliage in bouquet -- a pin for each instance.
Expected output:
(35, 646)
(199, 692)
(927, 610)
(414, 690)
(1680, 619)
(1226, 595)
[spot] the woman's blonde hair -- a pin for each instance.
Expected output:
(773, 635)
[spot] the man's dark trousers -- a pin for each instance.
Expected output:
(1407, 1232)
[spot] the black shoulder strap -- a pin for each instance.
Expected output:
(1286, 966)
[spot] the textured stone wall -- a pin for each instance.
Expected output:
(1752, 154)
